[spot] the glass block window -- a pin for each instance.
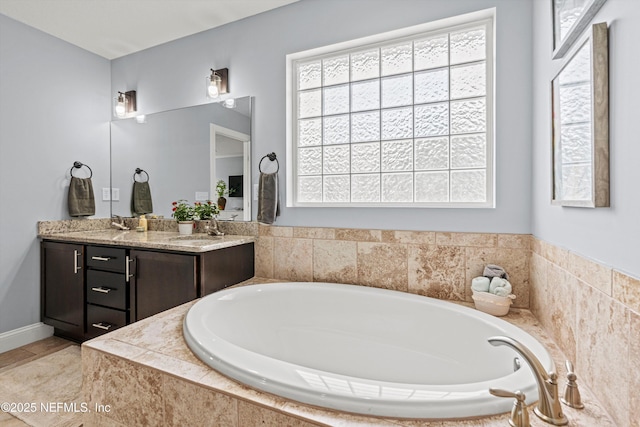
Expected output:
(403, 122)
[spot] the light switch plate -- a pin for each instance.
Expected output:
(115, 194)
(202, 196)
(106, 194)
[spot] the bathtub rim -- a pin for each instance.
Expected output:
(448, 409)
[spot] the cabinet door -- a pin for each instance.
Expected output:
(161, 281)
(62, 288)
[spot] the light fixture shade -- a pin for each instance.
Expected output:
(217, 83)
(124, 104)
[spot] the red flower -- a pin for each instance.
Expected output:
(174, 209)
(174, 203)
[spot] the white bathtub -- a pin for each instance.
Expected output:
(359, 349)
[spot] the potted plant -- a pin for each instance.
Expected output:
(205, 210)
(184, 214)
(221, 189)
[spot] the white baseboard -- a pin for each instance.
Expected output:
(23, 336)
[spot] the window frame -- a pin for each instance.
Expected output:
(484, 18)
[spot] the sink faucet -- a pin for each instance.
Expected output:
(212, 228)
(548, 408)
(120, 223)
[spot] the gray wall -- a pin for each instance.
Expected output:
(54, 109)
(609, 235)
(254, 49)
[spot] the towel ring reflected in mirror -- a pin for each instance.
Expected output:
(139, 172)
(78, 165)
(272, 157)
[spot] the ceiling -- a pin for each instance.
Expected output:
(114, 28)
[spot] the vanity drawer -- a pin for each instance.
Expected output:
(110, 259)
(101, 320)
(108, 289)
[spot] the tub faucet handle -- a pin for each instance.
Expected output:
(571, 393)
(519, 414)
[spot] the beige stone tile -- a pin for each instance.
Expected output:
(437, 271)
(335, 261)
(483, 240)
(383, 265)
(555, 254)
(538, 287)
(314, 233)
(414, 237)
(264, 256)
(358, 235)
(111, 346)
(293, 259)
(536, 245)
(95, 419)
(254, 415)
(626, 289)
(8, 420)
(561, 304)
(186, 404)
(592, 272)
(332, 417)
(133, 392)
(514, 261)
(634, 368)
(274, 231)
(516, 241)
(602, 347)
(170, 365)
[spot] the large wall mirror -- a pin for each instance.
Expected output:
(183, 154)
(580, 117)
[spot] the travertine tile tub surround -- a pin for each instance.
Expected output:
(593, 312)
(435, 264)
(148, 376)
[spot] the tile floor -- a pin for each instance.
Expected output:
(25, 354)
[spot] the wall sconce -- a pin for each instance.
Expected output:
(217, 83)
(125, 104)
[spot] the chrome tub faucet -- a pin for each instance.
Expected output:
(548, 408)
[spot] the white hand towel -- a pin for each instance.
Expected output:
(480, 284)
(500, 287)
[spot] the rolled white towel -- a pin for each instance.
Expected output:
(480, 284)
(500, 287)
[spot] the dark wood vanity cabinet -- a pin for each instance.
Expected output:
(161, 281)
(62, 288)
(89, 290)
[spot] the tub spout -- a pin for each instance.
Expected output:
(548, 408)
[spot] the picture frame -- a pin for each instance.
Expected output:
(570, 19)
(580, 124)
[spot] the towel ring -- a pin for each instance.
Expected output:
(138, 172)
(78, 165)
(272, 157)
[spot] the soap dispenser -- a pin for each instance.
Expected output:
(142, 222)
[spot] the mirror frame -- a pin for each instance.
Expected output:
(599, 73)
(562, 45)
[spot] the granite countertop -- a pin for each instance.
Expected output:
(157, 343)
(166, 240)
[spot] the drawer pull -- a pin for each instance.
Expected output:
(102, 290)
(100, 258)
(102, 325)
